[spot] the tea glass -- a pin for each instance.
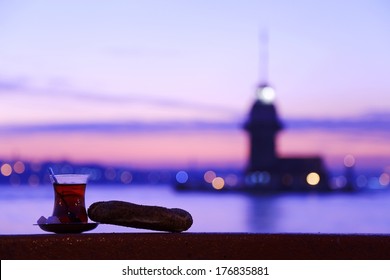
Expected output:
(69, 198)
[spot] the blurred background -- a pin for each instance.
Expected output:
(143, 95)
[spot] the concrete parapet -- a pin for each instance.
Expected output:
(127, 246)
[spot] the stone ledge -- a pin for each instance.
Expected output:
(127, 246)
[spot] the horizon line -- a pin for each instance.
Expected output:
(373, 121)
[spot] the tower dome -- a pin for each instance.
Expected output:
(262, 125)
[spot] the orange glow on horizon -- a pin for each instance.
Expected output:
(190, 148)
(146, 149)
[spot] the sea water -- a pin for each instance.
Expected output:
(363, 212)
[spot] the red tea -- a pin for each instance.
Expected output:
(69, 203)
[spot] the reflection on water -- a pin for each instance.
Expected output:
(262, 213)
(321, 213)
(367, 212)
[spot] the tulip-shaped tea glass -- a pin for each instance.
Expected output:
(69, 197)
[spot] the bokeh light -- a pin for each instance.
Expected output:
(266, 94)
(260, 177)
(361, 181)
(182, 177)
(126, 177)
(6, 169)
(19, 167)
(349, 160)
(339, 182)
(218, 183)
(110, 174)
(231, 180)
(33, 180)
(313, 179)
(384, 179)
(209, 176)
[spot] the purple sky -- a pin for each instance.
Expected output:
(69, 62)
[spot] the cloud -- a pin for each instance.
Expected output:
(379, 121)
(13, 84)
(20, 87)
(120, 127)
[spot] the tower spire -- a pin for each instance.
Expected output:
(265, 93)
(264, 57)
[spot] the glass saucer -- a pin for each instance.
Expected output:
(68, 228)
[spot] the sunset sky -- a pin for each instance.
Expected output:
(156, 82)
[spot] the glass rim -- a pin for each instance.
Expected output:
(70, 178)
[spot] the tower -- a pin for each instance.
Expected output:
(265, 169)
(263, 123)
